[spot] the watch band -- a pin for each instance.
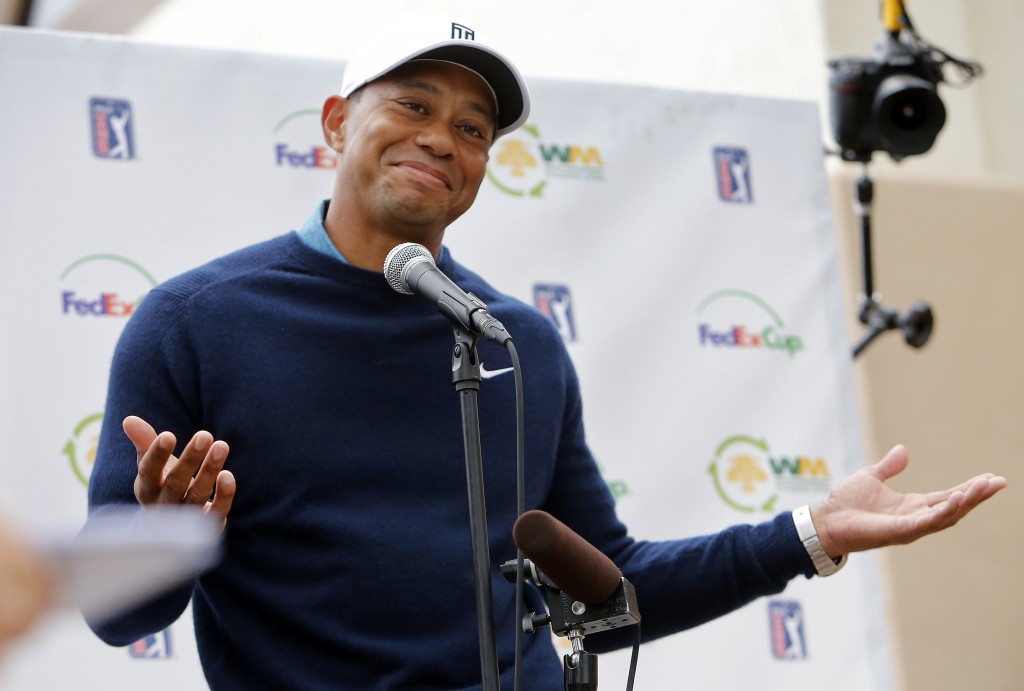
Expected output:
(805, 530)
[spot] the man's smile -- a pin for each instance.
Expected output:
(426, 173)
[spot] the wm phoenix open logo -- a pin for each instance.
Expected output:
(524, 163)
(749, 477)
(81, 446)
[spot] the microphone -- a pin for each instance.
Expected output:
(410, 269)
(578, 568)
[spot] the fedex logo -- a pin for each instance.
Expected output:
(106, 305)
(87, 289)
(314, 157)
(302, 129)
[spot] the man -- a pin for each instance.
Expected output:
(347, 550)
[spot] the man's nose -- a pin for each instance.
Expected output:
(438, 137)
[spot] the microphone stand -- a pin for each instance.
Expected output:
(573, 619)
(466, 377)
(579, 668)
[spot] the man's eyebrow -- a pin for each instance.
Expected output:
(420, 84)
(434, 89)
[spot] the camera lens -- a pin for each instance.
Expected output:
(908, 114)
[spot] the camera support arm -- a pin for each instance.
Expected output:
(917, 322)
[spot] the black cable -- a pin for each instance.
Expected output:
(967, 69)
(520, 506)
(633, 658)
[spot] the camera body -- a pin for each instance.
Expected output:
(889, 103)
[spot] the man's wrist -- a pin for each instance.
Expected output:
(824, 564)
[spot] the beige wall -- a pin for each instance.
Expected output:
(955, 600)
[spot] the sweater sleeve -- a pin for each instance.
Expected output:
(152, 376)
(679, 583)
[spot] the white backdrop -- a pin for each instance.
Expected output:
(682, 242)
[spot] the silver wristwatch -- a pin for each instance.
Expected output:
(823, 564)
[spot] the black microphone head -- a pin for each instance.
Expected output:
(399, 259)
(579, 569)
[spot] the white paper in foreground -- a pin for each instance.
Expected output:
(128, 557)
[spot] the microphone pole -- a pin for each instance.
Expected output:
(466, 377)
(410, 269)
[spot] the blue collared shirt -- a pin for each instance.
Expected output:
(315, 235)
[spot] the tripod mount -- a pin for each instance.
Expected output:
(917, 322)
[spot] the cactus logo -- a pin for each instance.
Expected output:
(89, 282)
(749, 477)
(738, 320)
(296, 143)
(82, 445)
(523, 163)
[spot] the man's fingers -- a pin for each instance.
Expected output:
(150, 480)
(178, 478)
(140, 432)
(189, 479)
(221, 504)
(203, 483)
(894, 463)
(959, 501)
(983, 487)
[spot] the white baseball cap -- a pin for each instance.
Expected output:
(402, 41)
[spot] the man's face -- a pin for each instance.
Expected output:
(414, 146)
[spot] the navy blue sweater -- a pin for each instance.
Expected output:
(347, 552)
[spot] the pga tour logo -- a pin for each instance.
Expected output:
(787, 624)
(155, 647)
(732, 170)
(112, 128)
(555, 302)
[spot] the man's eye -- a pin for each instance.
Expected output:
(418, 107)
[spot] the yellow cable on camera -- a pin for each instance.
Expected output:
(892, 14)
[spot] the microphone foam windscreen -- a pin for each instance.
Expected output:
(579, 569)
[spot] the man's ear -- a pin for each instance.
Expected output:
(332, 120)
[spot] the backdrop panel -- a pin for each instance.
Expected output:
(681, 242)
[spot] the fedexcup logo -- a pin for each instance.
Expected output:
(295, 144)
(749, 477)
(523, 163)
(81, 446)
(737, 319)
(103, 285)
